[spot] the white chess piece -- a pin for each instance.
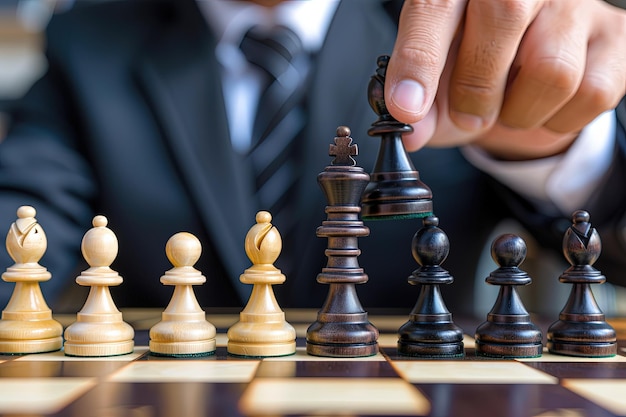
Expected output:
(27, 325)
(262, 329)
(183, 330)
(99, 329)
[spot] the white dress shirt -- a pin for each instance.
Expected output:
(562, 183)
(230, 20)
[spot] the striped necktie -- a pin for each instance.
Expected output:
(280, 118)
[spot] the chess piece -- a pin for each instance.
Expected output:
(342, 328)
(27, 325)
(508, 331)
(183, 330)
(395, 190)
(99, 329)
(430, 331)
(262, 330)
(581, 329)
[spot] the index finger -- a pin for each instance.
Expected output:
(425, 33)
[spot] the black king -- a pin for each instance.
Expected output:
(342, 328)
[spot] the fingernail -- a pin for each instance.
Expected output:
(467, 121)
(409, 96)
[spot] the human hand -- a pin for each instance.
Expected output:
(520, 78)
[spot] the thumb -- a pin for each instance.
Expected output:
(425, 33)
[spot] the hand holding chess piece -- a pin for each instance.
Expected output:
(262, 330)
(27, 325)
(99, 329)
(183, 330)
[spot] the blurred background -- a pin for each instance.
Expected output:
(21, 60)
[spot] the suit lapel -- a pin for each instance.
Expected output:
(621, 112)
(180, 77)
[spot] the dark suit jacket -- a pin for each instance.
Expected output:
(129, 122)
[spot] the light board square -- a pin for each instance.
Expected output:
(471, 372)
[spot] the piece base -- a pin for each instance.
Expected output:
(431, 350)
(584, 350)
(183, 355)
(397, 211)
(261, 350)
(342, 350)
(493, 350)
(23, 347)
(99, 350)
(179, 349)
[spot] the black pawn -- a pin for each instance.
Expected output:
(430, 332)
(342, 328)
(395, 190)
(581, 329)
(508, 331)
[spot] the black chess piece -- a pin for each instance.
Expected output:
(430, 331)
(395, 190)
(508, 331)
(342, 328)
(581, 329)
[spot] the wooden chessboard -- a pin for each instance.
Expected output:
(142, 385)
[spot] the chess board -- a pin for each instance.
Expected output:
(142, 385)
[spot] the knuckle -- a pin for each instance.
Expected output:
(423, 57)
(481, 89)
(478, 75)
(424, 53)
(435, 8)
(599, 92)
(422, 21)
(514, 10)
(508, 15)
(421, 43)
(476, 94)
(557, 73)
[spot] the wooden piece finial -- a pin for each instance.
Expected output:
(343, 149)
(183, 250)
(263, 245)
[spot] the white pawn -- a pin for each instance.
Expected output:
(27, 325)
(99, 329)
(262, 329)
(183, 330)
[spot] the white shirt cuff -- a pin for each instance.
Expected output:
(561, 183)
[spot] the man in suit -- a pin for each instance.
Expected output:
(129, 121)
